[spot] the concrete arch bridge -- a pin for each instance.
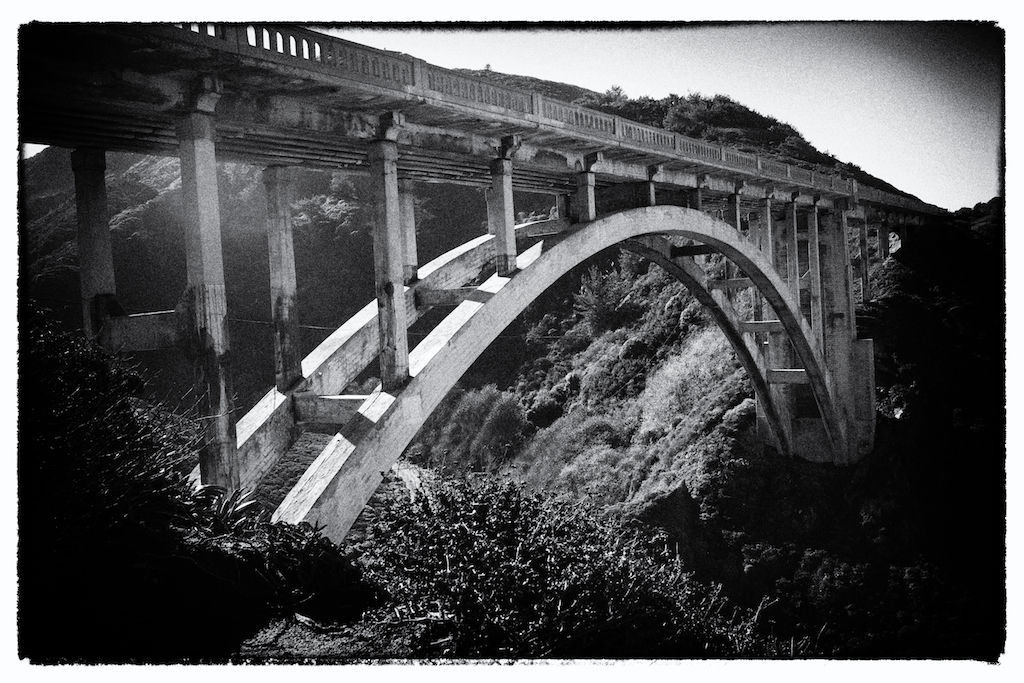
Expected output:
(285, 97)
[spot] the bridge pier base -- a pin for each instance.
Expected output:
(205, 300)
(278, 181)
(95, 259)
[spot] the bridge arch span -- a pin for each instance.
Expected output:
(336, 487)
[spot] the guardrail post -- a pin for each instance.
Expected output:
(95, 259)
(279, 181)
(536, 104)
(419, 75)
(205, 298)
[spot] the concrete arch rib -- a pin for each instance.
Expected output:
(335, 488)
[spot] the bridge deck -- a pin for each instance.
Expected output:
(289, 96)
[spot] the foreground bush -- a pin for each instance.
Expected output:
(500, 573)
(120, 558)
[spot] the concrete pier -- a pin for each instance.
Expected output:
(205, 298)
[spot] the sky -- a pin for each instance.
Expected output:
(918, 104)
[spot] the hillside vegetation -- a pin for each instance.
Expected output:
(602, 453)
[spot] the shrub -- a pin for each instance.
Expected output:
(498, 572)
(119, 558)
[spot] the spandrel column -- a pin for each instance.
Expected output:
(407, 211)
(278, 181)
(388, 259)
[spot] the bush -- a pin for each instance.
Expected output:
(120, 559)
(500, 573)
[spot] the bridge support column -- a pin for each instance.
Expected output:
(278, 181)
(406, 208)
(387, 261)
(584, 204)
(501, 217)
(584, 201)
(205, 299)
(792, 241)
(865, 264)
(732, 217)
(563, 206)
(850, 361)
(883, 238)
(95, 259)
(814, 272)
(695, 199)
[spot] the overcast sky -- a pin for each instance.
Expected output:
(917, 104)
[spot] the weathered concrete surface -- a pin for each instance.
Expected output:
(281, 252)
(388, 261)
(205, 302)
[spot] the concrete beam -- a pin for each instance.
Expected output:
(450, 297)
(332, 410)
(787, 376)
(731, 284)
(692, 250)
(761, 326)
(141, 332)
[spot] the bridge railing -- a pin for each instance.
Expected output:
(320, 52)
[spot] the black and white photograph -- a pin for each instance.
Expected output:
(530, 342)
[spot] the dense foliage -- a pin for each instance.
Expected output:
(500, 573)
(120, 557)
